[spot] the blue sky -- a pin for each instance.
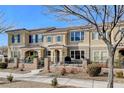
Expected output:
(28, 17)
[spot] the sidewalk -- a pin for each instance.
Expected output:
(61, 81)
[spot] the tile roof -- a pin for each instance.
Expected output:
(51, 29)
(16, 30)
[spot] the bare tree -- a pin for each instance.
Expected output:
(3, 23)
(103, 19)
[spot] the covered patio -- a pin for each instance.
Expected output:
(58, 53)
(36, 51)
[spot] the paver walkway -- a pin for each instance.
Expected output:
(62, 81)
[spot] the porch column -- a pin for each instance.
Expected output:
(61, 56)
(9, 53)
(22, 54)
(39, 54)
(52, 55)
(42, 52)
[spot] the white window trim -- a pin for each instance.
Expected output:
(100, 51)
(97, 36)
(60, 40)
(16, 38)
(40, 38)
(74, 36)
(80, 53)
(94, 55)
(106, 52)
(47, 39)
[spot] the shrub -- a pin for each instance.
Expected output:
(3, 65)
(119, 74)
(54, 82)
(63, 71)
(21, 69)
(93, 70)
(10, 78)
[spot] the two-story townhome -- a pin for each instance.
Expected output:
(57, 43)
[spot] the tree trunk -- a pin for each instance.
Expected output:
(110, 69)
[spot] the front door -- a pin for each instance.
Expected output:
(57, 56)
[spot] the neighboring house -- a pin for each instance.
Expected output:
(3, 52)
(57, 43)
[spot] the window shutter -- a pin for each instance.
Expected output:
(13, 40)
(82, 35)
(36, 38)
(18, 38)
(30, 39)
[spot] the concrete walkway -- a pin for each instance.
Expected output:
(61, 81)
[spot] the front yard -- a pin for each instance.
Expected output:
(14, 70)
(27, 84)
(82, 75)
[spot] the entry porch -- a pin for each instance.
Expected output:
(57, 53)
(35, 51)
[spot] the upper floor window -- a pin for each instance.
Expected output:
(77, 36)
(32, 39)
(95, 36)
(58, 38)
(49, 39)
(15, 38)
(40, 38)
(35, 38)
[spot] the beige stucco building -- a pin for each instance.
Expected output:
(57, 43)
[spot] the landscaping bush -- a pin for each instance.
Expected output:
(3, 65)
(21, 69)
(63, 71)
(10, 78)
(93, 69)
(54, 82)
(119, 74)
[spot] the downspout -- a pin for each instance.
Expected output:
(89, 46)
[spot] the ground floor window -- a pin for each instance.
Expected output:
(72, 54)
(100, 56)
(15, 54)
(77, 54)
(104, 55)
(48, 53)
(96, 56)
